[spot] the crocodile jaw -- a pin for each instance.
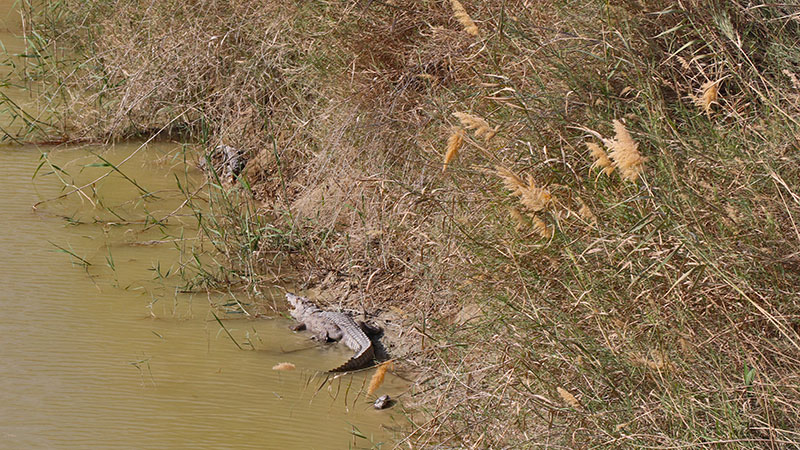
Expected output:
(302, 307)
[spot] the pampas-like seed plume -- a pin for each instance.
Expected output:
(624, 151)
(568, 398)
(283, 366)
(479, 124)
(377, 379)
(463, 18)
(709, 93)
(511, 181)
(454, 143)
(542, 228)
(600, 158)
(532, 197)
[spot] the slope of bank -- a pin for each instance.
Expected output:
(583, 214)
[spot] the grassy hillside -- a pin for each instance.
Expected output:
(584, 212)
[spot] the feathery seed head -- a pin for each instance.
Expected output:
(624, 151)
(519, 219)
(511, 181)
(535, 198)
(544, 230)
(463, 18)
(568, 398)
(586, 212)
(600, 158)
(532, 197)
(377, 378)
(284, 366)
(479, 124)
(454, 143)
(709, 93)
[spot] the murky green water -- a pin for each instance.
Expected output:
(110, 354)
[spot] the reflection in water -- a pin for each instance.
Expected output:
(10, 31)
(110, 354)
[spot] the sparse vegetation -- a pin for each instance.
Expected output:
(659, 308)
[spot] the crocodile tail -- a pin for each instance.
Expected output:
(356, 362)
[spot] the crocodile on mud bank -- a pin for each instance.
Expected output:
(330, 326)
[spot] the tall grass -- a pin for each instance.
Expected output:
(657, 308)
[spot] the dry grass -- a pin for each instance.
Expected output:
(674, 318)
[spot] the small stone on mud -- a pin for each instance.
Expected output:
(383, 402)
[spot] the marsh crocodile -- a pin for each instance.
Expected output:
(226, 162)
(334, 326)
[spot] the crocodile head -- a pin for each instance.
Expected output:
(301, 305)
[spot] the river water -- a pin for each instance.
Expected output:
(101, 350)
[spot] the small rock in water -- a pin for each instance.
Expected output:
(383, 402)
